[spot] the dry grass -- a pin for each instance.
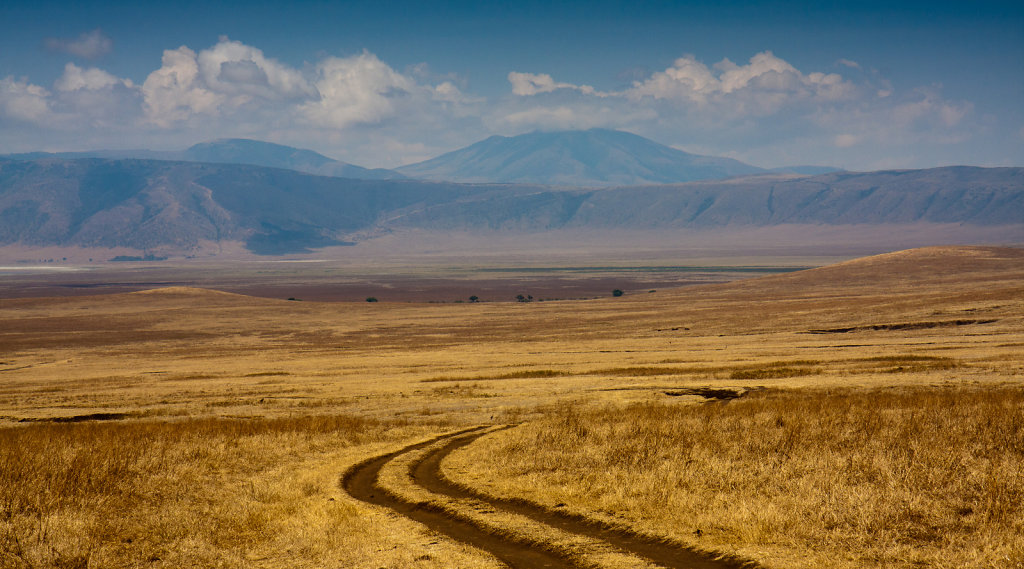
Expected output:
(525, 374)
(884, 478)
(200, 493)
(203, 468)
(589, 552)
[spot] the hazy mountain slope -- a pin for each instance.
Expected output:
(257, 153)
(235, 151)
(979, 196)
(595, 157)
(175, 206)
(179, 207)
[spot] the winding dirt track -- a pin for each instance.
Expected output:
(361, 483)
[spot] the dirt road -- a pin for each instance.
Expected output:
(517, 552)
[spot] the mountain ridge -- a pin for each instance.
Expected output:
(233, 151)
(174, 208)
(595, 157)
(575, 158)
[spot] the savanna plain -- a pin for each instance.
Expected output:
(862, 414)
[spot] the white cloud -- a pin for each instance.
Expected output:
(176, 92)
(359, 109)
(924, 109)
(232, 89)
(765, 111)
(762, 86)
(219, 80)
(81, 98)
(93, 79)
(234, 68)
(687, 79)
(20, 100)
(526, 84)
(357, 90)
(90, 45)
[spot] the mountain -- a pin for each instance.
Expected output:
(257, 153)
(959, 194)
(176, 208)
(184, 208)
(804, 170)
(595, 157)
(236, 151)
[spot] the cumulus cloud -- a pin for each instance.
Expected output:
(233, 89)
(234, 68)
(22, 101)
(763, 85)
(89, 45)
(176, 92)
(765, 111)
(526, 84)
(81, 99)
(360, 109)
(235, 80)
(92, 79)
(219, 80)
(358, 89)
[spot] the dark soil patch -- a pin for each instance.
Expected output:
(902, 326)
(79, 418)
(708, 392)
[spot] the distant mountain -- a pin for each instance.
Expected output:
(181, 208)
(804, 170)
(595, 157)
(257, 153)
(959, 194)
(236, 151)
(175, 208)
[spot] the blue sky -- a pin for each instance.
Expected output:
(860, 85)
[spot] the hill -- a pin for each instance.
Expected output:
(257, 153)
(978, 196)
(165, 208)
(596, 157)
(235, 151)
(936, 265)
(176, 208)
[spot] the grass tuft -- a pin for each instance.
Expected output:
(881, 478)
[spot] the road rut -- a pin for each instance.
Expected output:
(361, 483)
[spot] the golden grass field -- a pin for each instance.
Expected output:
(880, 425)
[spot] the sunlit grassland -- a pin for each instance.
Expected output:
(203, 493)
(229, 419)
(902, 477)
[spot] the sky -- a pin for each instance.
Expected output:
(856, 85)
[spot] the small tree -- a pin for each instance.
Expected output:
(617, 292)
(371, 299)
(474, 298)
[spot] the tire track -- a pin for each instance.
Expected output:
(519, 552)
(361, 483)
(427, 473)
